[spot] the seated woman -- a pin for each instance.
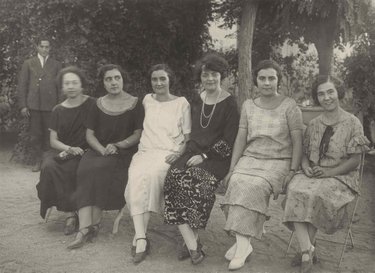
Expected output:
(114, 127)
(317, 198)
(266, 154)
(166, 129)
(57, 180)
(192, 180)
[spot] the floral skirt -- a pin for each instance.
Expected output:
(189, 196)
(320, 202)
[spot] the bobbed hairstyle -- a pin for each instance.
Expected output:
(211, 61)
(107, 67)
(320, 79)
(167, 69)
(74, 70)
(266, 64)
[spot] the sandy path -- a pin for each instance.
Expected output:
(27, 244)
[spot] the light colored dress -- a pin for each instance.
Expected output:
(323, 201)
(262, 168)
(164, 127)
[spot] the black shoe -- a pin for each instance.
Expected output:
(71, 224)
(82, 237)
(197, 256)
(182, 252)
(140, 256)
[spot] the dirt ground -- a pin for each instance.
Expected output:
(28, 244)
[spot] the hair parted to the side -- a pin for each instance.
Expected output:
(266, 64)
(167, 69)
(212, 61)
(320, 79)
(74, 70)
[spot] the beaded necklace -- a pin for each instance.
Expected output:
(209, 116)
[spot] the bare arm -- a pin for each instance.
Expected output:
(345, 167)
(296, 136)
(130, 141)
(60, 146)
(93, 142)
(238, 148)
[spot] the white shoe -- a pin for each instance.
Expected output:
(239, 262)
(230, 253)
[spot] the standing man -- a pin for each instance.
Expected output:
(38, 94)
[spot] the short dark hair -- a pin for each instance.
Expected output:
(167, 69)
(266, 64)
(320, 79)
(107, 67)
(39, 39)
(212, 61)
(74, 70)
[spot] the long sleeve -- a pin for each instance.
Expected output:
(22, 87)
(222, 148)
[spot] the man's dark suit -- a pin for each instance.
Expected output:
(37, 88)
(38, 91)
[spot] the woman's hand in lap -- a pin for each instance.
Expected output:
(110, 149)
(170, 159)
(308, 171)
(194, 160)
(320, 172)
(75, 151)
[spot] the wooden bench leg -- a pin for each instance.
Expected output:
(116, 223)
(48, 213)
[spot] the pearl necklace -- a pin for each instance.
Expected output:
(209, 116)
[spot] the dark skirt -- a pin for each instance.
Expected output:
(190, 192)
(57, 183)
(102, 180)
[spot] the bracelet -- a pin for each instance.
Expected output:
(292, 170)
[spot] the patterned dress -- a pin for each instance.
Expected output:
(164, 128)
(263, 166)
(322, 202)
(190, 191)
(57, 181)
(101, 180)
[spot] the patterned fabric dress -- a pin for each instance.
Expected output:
(57, 181)
(101, 180)
(323, 201)
(164, 128)
(190, 191)
(262, 168)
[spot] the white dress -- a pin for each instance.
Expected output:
(164, 127)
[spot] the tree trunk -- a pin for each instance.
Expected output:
(245, 41)
(325, 43)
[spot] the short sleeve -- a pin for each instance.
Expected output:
(186, 117)
(243, 118)
(54, 119)
(358, 142)
(294, 117)
(92, 117)
(140, 115)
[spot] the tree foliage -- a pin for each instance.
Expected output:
(322, 22)
(133, 33)
(360, 68)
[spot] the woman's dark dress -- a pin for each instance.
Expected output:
(101, 180)
(57, 181)
(190, 192)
